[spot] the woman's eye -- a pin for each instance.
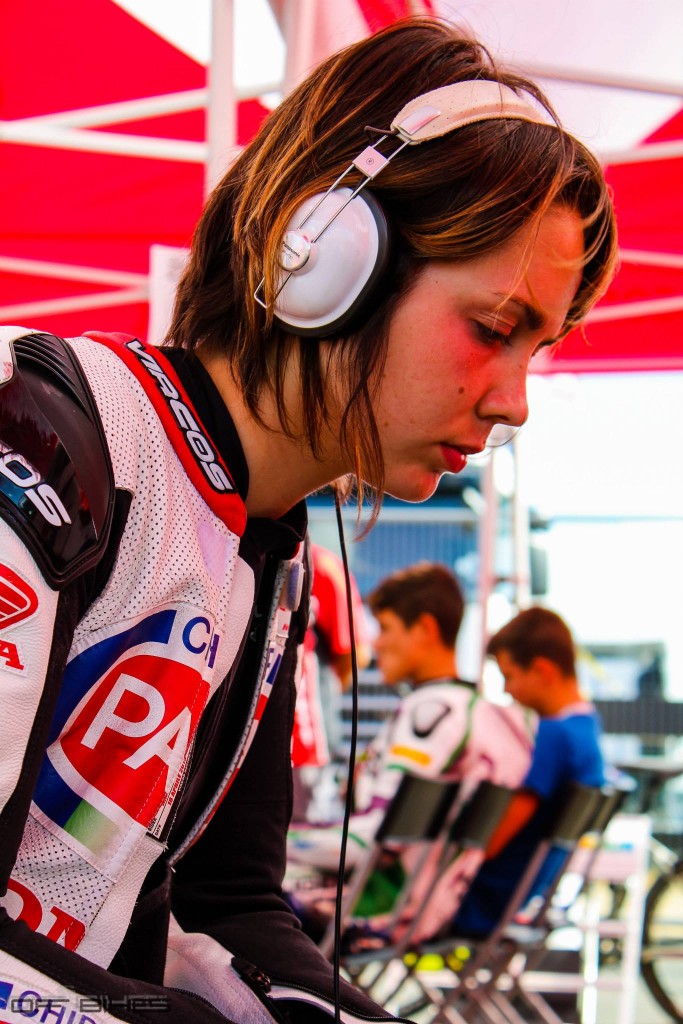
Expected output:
(491, 334)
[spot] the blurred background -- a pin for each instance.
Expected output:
(115, 120)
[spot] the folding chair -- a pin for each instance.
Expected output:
(524, 924)
(471, 827)
(529, 986)
(416, 818)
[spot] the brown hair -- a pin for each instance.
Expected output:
(454, 198)
(424, 587)
(536, 633)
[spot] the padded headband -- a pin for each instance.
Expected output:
(336, 248)
(444, 110)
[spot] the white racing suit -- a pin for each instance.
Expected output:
(148, 638)
(443, 729)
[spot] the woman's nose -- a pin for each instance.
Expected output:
(506, 400)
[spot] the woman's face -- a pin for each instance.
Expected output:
(460, 342)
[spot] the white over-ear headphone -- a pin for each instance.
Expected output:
(336, 246)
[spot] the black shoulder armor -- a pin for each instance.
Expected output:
(56, 481)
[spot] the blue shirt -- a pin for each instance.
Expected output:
(567, 750)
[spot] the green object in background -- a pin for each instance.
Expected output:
(381, 890)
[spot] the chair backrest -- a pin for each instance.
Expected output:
(435, 898)
(418, 810)
(576, 813)
(418, 815)
(616, 792)
(526, 919)
(579, 868)
(477, 821)
(457, 827)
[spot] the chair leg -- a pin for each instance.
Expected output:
(449, 1014)
(483, 1008)
(506, 1007)
(480, 992)
(541, 1007)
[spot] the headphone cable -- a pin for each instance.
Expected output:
(336, 957)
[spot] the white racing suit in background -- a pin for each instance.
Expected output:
(443, 729)
(148, 637)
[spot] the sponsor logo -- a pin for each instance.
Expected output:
(18, 600)
(198, 638)
(129, 739)
(19, 471)
(9, 654)
(23, 904)
(197, 441)
(123, 727)
(5, 992)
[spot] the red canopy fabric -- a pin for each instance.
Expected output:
(103, 211)
(90, 209)
(85, 209)
(632, 328)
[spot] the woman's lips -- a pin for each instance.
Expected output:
(454, 458)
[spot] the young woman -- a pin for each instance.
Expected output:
(151, 584)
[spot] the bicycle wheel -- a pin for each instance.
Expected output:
(662, 953)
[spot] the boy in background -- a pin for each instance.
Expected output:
(442, 729)
(536, 655)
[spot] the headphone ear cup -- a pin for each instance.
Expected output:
(347, 257)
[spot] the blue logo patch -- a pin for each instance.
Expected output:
(5, 992)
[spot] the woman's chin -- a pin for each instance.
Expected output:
(414, 487)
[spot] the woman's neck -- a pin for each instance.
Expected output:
(282, 469)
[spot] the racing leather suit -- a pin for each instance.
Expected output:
(148, 635)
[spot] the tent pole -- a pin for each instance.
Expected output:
(629, 310)
(125, 110)
(521, 538)
(73, 303)
(298, 28)
(221, 113)
(488, 533)
(642, 154)
(33, 133)
(576, 76)
(71, 272)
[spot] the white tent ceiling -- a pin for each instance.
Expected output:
(614, 68)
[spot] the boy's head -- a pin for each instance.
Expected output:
(419, 611)
(536, 655)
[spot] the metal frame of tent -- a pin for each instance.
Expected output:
(77, 130)
(73, 129)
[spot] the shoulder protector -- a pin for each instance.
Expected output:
(56, 481)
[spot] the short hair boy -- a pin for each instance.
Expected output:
(535, 652)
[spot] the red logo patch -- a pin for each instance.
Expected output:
(130, 738)
(57, 924)
(18, 600)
